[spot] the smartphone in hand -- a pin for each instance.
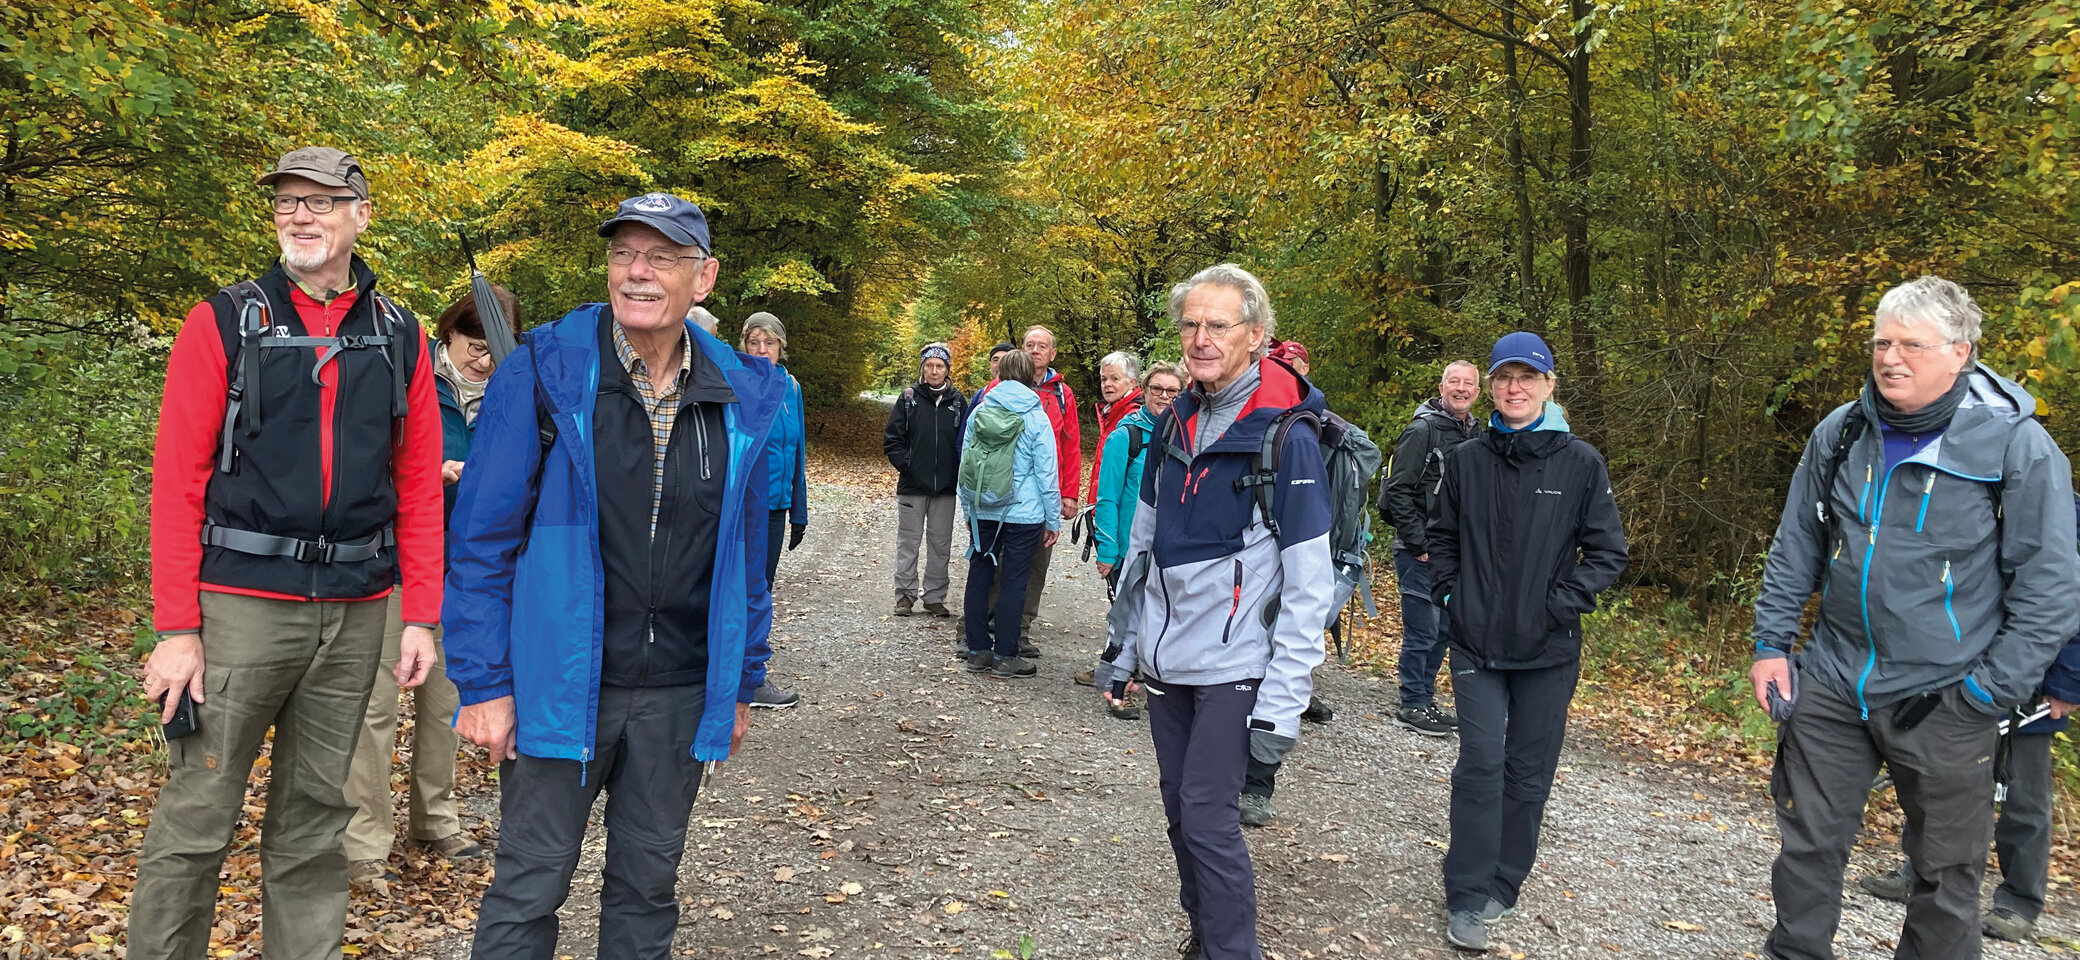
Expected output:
(184, 720)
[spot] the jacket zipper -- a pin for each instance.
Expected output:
(1234, 605)
(1155, 653)
(1870, 640)
(1950, 586)
(339, 387)
(1926, 490)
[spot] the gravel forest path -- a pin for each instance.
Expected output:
(907, 808)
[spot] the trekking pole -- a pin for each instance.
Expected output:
(498, 328)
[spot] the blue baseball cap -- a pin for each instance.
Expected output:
(679, 220)
(1522, 347)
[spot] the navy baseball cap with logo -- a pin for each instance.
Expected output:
(1522, 347)
(679, 220)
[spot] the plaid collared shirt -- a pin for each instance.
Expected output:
(663, 411)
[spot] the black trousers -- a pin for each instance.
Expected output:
(1511, 726)
(1827, 754)
(776, 542)
(643, 757)
(2022, 832)
(999, 564)
(1202, 748)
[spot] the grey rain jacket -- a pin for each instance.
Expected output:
(1923, 585)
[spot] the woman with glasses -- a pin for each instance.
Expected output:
(462, 367)
(787, 469)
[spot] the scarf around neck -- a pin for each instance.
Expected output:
(1934, 417)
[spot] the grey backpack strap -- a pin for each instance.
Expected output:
(249, 303)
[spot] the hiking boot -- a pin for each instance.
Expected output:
(1009, 667)
(1494, 912)
(1026, 648)
(455, 846)
(772, 697)
(1424, 720)
(1256, 810)
(979, 661)
(1123, 711)
(2006, 924)
(1087, 677)
(370, 873)
(1190, 948)
(937, 610)
(1317, 711)
(903, 606)
(1891, 885)
(1465, 930)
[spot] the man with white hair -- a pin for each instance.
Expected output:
(1934, 518)
(1221, 604)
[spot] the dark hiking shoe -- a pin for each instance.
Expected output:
(1256, 810)
(1026, 648)
(772, 697)
(1465, 930)
(1494, 912)
(1009, 667)
(1123, 711)
(1087, 677)
(1891, 885)
(455, 846)
(937, 610)
(979, 661)
(2005, 924)
(1317, 711)
(1424, 720)
(903, 606)
(1190, 948)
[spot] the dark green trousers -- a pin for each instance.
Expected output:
(304, 669)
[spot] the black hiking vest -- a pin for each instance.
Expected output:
(267, 522)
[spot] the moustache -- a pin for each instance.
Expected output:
(642, 290)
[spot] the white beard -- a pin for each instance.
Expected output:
(297, 260)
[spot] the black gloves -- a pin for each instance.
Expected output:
(794, 534)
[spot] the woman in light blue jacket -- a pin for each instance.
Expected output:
(1006, 529)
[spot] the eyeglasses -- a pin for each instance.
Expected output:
(474, 349)
(1524, 380)
(1164, 391)
(761, 342)
(1908, 349)
(1216, 329)
(285, 203)
(660, 261)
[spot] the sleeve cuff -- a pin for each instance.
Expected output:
(1764, 651)
(747, 692)
(429, 626)
(471, 695)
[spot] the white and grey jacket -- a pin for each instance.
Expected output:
(1211, 594)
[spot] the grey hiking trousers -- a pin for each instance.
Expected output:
(1827, 755)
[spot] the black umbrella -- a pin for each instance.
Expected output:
(498, 328)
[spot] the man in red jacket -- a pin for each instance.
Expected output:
(1060, 403)
(296, 481)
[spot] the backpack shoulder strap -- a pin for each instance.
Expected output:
(1137, 438)
(253, 314)
(1263, 475)
(392, 326)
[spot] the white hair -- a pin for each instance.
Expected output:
(1128, 364)
(1936, 302)
(702, 318)
(1256, 304)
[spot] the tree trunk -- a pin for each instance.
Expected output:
(1574, 213)
(1520, 188)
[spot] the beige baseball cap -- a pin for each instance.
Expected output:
(327, 165)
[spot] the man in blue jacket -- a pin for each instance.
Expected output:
(608, 612)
